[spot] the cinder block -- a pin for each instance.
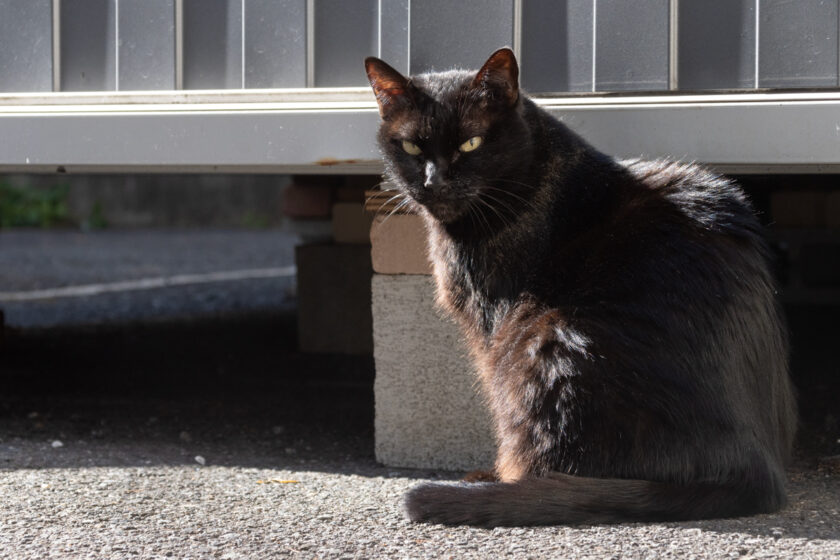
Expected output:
(334, 304)
(429, 413)
(798, 208)
(350, 223)
(398, 245)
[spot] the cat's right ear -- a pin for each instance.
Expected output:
(499, 77)
(389, 86)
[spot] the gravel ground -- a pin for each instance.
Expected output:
(183, 423)
(127, 481)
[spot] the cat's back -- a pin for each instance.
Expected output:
(675, 226)
(674, 283)
(704, 199)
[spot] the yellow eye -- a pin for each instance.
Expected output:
(471, 144)
(411, 148)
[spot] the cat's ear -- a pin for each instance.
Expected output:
(389, 86)
(499, 77)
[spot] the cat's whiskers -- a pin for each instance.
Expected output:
(505, 221)
(530, 204)
(506, 206)
(387, 202)
(483, 223)
(376, 192)
(404, 202)
(520, 197)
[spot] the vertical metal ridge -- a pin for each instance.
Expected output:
(117, 45)
(379, 29)
(56, 45)
(673, 45)
(408, 38)
(517, 28)
(757, 41)
(242, 45)
(179, 44)
(594, 40)
(310, 43)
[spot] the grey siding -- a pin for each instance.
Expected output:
(26, 45)
(565, 45)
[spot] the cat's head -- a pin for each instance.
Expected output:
(455, 142)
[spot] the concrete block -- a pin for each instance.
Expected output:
(398, 245)
(429, 413)
(350, 223)
(334, 305)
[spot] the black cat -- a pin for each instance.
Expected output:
(621, 315)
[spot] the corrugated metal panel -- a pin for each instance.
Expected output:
(88, 45)
(345, 33)
(445, 34)
(275, 43)
(717, 44)
(26, 45)
(146, 44)
(631, 45)
(393, 23)
(213, 44)
(264, 43)
(797, 43)
(557, 45)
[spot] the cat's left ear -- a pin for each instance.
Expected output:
(389, 86)
(500, 76)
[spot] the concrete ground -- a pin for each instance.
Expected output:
(199, 431)
(254, 476)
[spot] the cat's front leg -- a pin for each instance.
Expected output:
(529, 376)
(514, 459)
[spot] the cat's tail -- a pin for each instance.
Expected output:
(563, 499)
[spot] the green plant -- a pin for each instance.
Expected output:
(252, 220)
(96, 219)
(27, 207)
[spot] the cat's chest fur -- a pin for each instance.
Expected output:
(476, 284)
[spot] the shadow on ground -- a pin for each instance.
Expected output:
(233, 387)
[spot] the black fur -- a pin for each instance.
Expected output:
(621, 315)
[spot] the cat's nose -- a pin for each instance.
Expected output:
(435, 180)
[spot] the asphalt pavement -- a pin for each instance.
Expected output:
(65, 278)
(180, 421)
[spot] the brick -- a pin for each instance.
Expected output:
(350, 194)
(307, 201)
(350, 223)
(428, 411)
(355, 186)
(334, 303)
(398, 245)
